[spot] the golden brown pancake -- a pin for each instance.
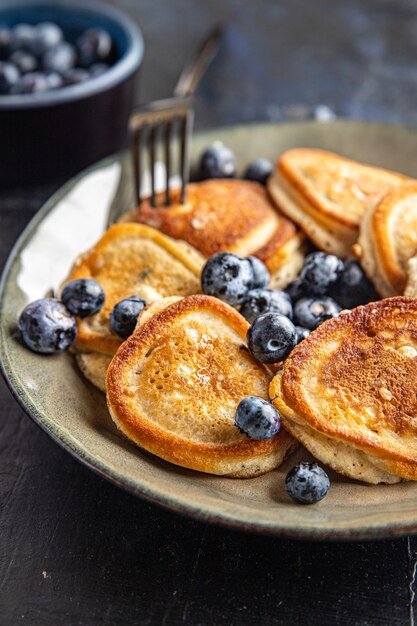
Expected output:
(327, 195)
(348, 392)
(133, 259)
(388, 239)
(237, 216)
(173, 388)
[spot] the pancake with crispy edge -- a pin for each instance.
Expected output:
(173, 388)
(348, 392)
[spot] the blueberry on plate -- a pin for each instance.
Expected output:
(271, 338)
(46, 326)
(261, 276)
(320, 272)
(9, 76)
(228, 277)
(296, 290)
(125, 314)
(302, 333)
(259, 170)
(217, 161)
(83, 297)
(60, 59)
(307, 483)
(47, 35)
(311, 312)
(94, 46)
(259, 301)
(353, 287)
(257, 418)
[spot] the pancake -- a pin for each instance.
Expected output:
(223, 215)
(348, 392)
(133, 259)
(327, 195)
(173, 388)
(411, 285)
(388, 239)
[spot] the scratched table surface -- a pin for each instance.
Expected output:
(76, 550)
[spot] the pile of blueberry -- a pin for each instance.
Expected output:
(35, 59)
(48, 325)
(218, 161)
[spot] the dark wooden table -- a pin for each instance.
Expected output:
(76, 550)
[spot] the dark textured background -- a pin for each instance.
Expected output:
(76, 550)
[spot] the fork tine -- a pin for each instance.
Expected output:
(136, 164)
(152, 160)
(168, 139)
(185, 133)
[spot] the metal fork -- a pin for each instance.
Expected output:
(159, 123)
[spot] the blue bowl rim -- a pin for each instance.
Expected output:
(117, 73)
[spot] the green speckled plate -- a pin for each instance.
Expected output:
(53, 392)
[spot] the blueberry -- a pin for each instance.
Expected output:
(307, 483)
(47, 35)
(55, 80)
(9, 77)
(24, 61)
(125, 314)
(23, 36)
(259, 301)
(97, 69)
(302, 333)
(60, 59)
(257, 418)
(259, 170)
(271, 337)
(311, 312)
(228, 277)
(5, 41)
(354, 288)
(296, 290)
(32, 82)
(261, 275)
(83, 297)
(46, 326)
(94, 46)
(75, 76)
(320, 272)
(217, 161)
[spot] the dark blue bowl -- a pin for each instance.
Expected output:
(50, 135)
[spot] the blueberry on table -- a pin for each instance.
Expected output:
(311, 312)
(9, 77)
(94, 46)
(32, 82)
(271, 338)
(320, 272)
(217, 161)
(259, 301)
(257, 418)
(24, 61)
(59, 59)
(354, 288)
(259, 170)
(46, 326)
(307, 483)
(302, 333)
(228, 277)
(125, 314)
(83, 297)
(47, 35)
(261, 276)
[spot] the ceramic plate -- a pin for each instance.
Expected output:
(73, 412)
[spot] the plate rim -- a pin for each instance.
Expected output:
(360, 532)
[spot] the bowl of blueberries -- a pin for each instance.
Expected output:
(67, 78)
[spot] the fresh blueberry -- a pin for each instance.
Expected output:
(32, 82)
(125, 314)
(60, 59)
(24, 61)
(307, 483)
(9, 77)
(46, 326)
(83, 297)
(259, 170)
(55, 80)
(23, 37)
(217, 161)
(94, 46)
(97, 69)
(261, 275)
(320, 272)
(228, 277)
(311, 312)
(296, 290)
(302, 333)
(271, 337)
(259, 301)
(5, 41)
(47, 35)
(354, 288)
(257, 418)
(75, 76)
